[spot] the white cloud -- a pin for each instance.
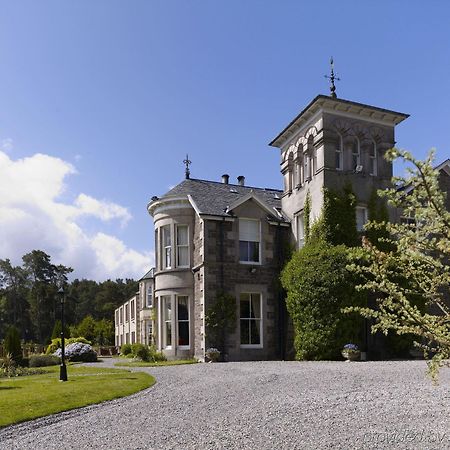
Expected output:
(102, 209)
(6, 145)
(33, 217)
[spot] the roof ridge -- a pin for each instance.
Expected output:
(238, 185)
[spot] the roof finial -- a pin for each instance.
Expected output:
(187, 162)
(332, 79)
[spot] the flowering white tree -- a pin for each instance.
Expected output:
(415, 264)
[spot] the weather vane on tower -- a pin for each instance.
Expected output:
(187, 162)
(332, 79)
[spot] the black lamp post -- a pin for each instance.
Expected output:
(62, 367)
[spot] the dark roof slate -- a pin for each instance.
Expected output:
(149, 275)
(213, 198)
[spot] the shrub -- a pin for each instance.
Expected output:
(125, 349)
(25, 362)
(142, 352)
(56, 343)
(158, 356)
(8, 367)
(12, 344)
(78, 352)
(318, 285)
(44, 360)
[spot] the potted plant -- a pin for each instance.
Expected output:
(212, 354)
(351, 352)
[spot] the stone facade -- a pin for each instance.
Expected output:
(214, 238)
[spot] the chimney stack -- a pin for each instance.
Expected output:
(241, 180)
(225, 178)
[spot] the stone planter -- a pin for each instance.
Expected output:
(351, 355)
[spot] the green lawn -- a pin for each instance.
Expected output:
(25, 398)
(176, 362)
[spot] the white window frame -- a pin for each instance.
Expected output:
(261, 321)
(300, 218)
(149, 296)
(339, 152)
(259, 241)
(178, 246)
(364, 209)
(166, 253)
(165, 320)
(184, 347)
(306, 167)
(373, 156)
(356, 152)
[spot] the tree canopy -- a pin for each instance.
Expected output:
(415, 264)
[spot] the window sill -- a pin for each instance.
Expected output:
(184, 347)
(250, 346)
(250, 263)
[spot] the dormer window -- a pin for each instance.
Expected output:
(373, 160)
(249, 240)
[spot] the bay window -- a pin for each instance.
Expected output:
(182, 246)
(166, 302)
(183, 320)
(166, 247)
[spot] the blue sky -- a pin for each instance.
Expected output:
(101, 100)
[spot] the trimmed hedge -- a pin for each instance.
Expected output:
(44, 360)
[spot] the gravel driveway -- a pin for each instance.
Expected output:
(259, 405)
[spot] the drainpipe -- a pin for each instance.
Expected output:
(281, 297)
(221, 253)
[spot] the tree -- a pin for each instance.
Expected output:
(416, 266)
(12, 344)
(86, 329)
(104, 332)
(318, 286)
(42, 294)
(14, 288)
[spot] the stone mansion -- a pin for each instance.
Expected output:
(216, 236)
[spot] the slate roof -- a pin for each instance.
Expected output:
(213, 197)
(149, 275)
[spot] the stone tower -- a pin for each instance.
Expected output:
(330, 143)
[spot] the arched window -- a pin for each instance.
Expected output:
(356, 153)
(299, 163)
(339, 155)
(312, 163)
(306, 167)
(288, 174)
(373, 160)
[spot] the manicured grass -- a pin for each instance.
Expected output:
(176, 362)
(25, 398)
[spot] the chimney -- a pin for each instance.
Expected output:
(225, 178)
(241, 180)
